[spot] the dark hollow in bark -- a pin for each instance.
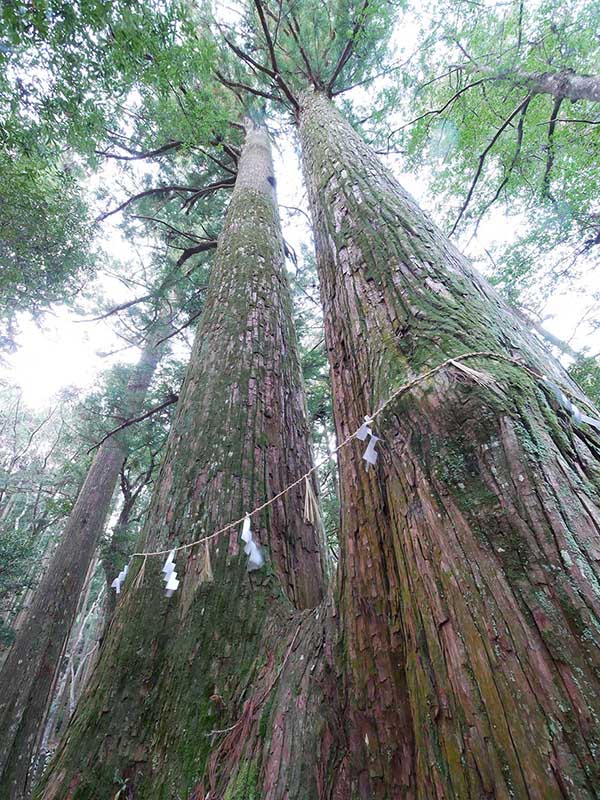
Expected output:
(194, 691)
(469, 555)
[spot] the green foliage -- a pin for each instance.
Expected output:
(489, 140)
(40, 473)
(69, 68)
(331, 48)
(586, 371)
(44, 238)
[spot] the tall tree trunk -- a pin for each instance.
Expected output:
(469, 554)
(28, 674)
(199, 684)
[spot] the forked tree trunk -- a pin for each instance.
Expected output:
(29, 672)
(469, 555)
(212, 671)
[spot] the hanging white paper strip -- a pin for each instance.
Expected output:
(370, 454)
(251, 549)
(172, 584)
(118, 581)
(365, 429)
(311, 506)
(255, 557)
(574, 411)
(169, 565)
(170, 576)
(246, 530)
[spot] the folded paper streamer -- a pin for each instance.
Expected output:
(365, 430)
(370, 454)
(170, 576)
(252, 550)
(574, 412)
(118, 581)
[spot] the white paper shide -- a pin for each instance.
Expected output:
(252, 550)
(170, 575)
(118, 581)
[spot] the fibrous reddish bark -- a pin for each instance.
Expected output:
(193, 692)
(29, 672)
(469, 555)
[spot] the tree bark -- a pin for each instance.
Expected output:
(28, 675)
(199, 691)
(564, 84)
(469, 554)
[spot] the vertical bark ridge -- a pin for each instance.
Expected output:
(174, 675)
(28, 674)
(470, 555)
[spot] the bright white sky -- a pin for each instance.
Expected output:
(66, 352)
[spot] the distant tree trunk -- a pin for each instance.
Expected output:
(28, 674)
(206, 683)
(81, 649)
(119, 548)
(470, 553)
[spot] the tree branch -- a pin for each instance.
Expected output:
(192, 251)
(567, 85)
(349, 47)
(483, 156)
(183, 327)
(168, 402)
(137, 154)
(169, 226)
(227, 183)
(245, 88)
(116, 309)
(550, 146)
(514, 159)
(271, 48)
(147, 193)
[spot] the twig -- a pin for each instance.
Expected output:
(168, 402)
(482, 158)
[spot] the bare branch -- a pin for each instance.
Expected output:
(168, 225)
(147, 193)
(248, 58)
(138, 154)
(454, 97)
(245, 88)
(550, 146)
(512, 163)
(116, 309)
(227, 183)
(349, 46)
(271, 48)
(483, 156)
(168, 402)
(192, 251)
(183, 327)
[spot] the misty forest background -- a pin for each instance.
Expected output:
(138, 201)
